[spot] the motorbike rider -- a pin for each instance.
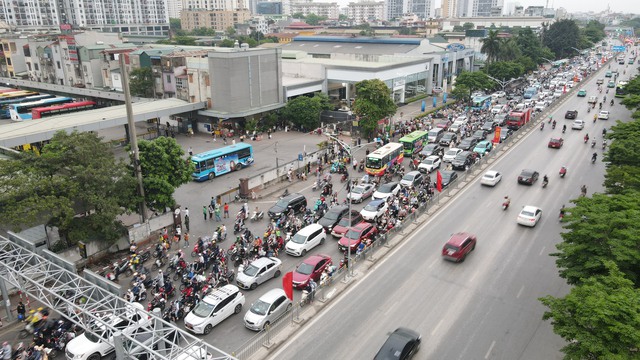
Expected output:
(604, 132)
(545, 179)
(159, 281)
(586, 138)
(594, 157)
(541, 126)
(553, 124)
(611, 103)
(583, 190)
(507, 201)
(564, 128)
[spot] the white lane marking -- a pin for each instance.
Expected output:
(435, 329)
(542, 250)
(520, 292)
(490, 348)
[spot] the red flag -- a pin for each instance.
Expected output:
(287, 284)
(438, 181)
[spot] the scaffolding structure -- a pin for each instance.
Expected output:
(85, 304)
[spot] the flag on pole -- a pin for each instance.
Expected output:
(287, 284)
(439, 181)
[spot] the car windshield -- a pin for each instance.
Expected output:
(298, 239)
(282, 203)
(451, 247)
(429, 147)
(371, 207)
(251, 270)
(527, 173)
(203, 309)
(260, 307)
(446, 177)
(452, 152)
(526, 213)
(466, 142)
(429, 161)
(95, 336)
(332, 215)
(305, 269)
(448, 136)
(386, 188)
(408, 177)
(353, 234)
(489, 176)
(358, 190)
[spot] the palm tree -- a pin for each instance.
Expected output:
(509, 50)
(491, 45)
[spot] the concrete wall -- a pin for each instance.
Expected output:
(140, 232)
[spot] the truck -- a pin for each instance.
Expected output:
(517, 119)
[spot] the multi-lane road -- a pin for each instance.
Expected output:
(486, 307)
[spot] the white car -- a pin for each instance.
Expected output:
(306, 239)
(570, 83)
(360, 192)
(529, 216)
(491, 178)
(259, 271)
(268, 308)
(497, 109)
(500, 94)
(577, 125)
(603, 115)
(386, 190)
(214, 308)
(89, 346)
(540, 106)
(557, 94)
(429, 164)
(451, 154)
(374, 210)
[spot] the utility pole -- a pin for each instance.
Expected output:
(133, 140)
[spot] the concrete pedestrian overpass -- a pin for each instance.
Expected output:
(34, 131)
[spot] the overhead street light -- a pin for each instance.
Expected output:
(502, 83)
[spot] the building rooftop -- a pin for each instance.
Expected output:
(345, 45)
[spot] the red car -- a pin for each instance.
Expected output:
(344, 224)
(459, 246)
(355, 235)
(556, 143)
(311, 268)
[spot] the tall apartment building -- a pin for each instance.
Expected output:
(215, 19)
(226, 5)
(449, 9)
(422, 8)
(329, 10)
(394, 9)
(361, 12)
(484, 8)
(82, 13)
(174, 8)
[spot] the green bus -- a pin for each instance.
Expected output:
(620, 92)
(414, 142)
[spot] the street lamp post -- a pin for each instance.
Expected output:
(502, 83)
(352, 150)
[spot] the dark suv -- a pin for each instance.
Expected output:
(463, 160)
(295, 202)
(468, 143)
(333, 216)
(459, 246)
(447, 138)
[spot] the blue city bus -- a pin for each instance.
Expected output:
(480, 103)
(21, 112)
(4, 104)
(221, 161)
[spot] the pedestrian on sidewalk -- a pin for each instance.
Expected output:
(21, 311)
(217, 212)
(226, 210)
(204, 212)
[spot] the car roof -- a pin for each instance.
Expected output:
(414, 173)
(391, 183)
(454, 149)
(309, 228)
(264, 260)
(530, 208)
(272, 295)
(314, 259)
(376, 202)
(432, 157)
(491, 172)
(220, 293)
(457, 238)
(339, 208)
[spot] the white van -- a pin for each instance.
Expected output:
(435, 134)
(306, 239)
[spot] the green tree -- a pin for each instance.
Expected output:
(373, 102)
(601, 228)
(474, 81)
(504, 70)
(185, 40)
(594, 31)
(175, 26)
(231, 31)
(561, 37)
(226, 43)
(599, 319)
(407, 31)
(527, 63)
(163, 170)
(468, 26)
(304, 111)
(298, 15)
(141, 82)
(313, 19)
(531, 46)
(509, 50)
(343, 17)
(462, 93)
(491, 46)
(75, 184)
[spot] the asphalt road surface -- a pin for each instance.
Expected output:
(486, 307)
